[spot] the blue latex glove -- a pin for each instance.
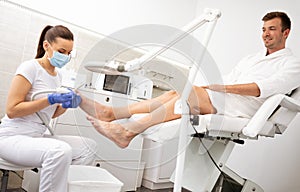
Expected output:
(74, 102)
(59, 97)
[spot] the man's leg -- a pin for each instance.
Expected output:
(200, 102)
(110, 113)
(145, 106)
(122, 134)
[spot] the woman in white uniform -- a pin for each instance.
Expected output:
(22, 134)
(257, 77)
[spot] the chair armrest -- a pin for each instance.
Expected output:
(259, 119)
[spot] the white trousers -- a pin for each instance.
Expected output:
(53, 154)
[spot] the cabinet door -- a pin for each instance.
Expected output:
(160, 159)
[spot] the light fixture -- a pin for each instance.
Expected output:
(137, 63)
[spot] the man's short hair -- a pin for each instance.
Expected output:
(285, 20)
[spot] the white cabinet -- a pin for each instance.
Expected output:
(125, 164)
(160, 162)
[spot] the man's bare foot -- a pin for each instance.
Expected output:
(115, 132)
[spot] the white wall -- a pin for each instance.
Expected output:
(107, 17)
(272, 163)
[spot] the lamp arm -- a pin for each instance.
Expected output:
(208, 16)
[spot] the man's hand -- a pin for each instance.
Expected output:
(249, 89)
(216, 87)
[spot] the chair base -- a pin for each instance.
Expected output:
(214, 177)
(228, 183)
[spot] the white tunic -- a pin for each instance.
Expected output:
(40, 80)
(276, 73)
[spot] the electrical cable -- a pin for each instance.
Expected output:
(208, 153)
(44, 121)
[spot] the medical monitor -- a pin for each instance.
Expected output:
(116, 83)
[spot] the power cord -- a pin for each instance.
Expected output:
(198, 135)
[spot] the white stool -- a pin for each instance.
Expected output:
(6, 167)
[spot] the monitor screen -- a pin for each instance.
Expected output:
(116, 83)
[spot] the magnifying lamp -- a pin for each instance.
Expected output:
(136, 64)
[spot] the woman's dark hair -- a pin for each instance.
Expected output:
(50, 33)
(285, 20)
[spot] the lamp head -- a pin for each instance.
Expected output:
(103, 69)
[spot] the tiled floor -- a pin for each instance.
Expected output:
(142, 189)
(16, 190)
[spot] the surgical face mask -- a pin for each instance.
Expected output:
(59, 60)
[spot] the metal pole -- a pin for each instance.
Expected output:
(213, 16)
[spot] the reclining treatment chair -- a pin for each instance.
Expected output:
(5, 166)
(207, 151)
